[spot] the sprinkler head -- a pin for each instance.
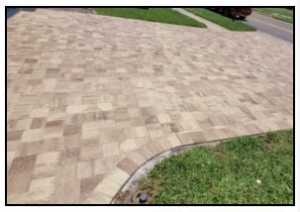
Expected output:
(143, 198)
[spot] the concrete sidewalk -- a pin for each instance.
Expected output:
(91, 98)
(209, 24)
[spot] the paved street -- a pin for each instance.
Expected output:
(91, 98)
(271, 26)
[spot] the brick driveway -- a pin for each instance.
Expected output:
(91, 98)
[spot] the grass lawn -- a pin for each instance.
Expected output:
(221, 20)
(246, 170)
(163, 15)
(282, 14)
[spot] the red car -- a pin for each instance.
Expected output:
(240, 12)
(236, 12)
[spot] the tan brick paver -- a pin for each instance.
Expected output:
(91, 98)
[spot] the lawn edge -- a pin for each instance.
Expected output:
(184, 148)
(172, 24)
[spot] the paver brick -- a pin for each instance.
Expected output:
(108, 187)
(14, 136)
(96, 198)
(46, 165)
(41, 191)
(103, 165)
(70, 156)
(38, 123)
(20, 173)
(85, 169)
(32, 135)
(88, 185)
(128, 166)
(174, 141)
(137, 158)
(67, 191)
(119, 176)
(23, 124)
(111, 149)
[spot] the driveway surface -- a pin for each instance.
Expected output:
(272, 26)
(91, 98)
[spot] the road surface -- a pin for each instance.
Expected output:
(271, 26)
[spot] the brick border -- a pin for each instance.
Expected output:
(117, 178)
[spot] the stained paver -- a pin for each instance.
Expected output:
(91, 98)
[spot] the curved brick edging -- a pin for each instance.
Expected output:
(117, 178)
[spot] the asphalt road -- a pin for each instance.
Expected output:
(271, 26)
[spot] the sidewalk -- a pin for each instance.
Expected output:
(209, 24)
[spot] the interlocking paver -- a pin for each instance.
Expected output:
(137, 158)
(85, 169)
(20, 174)
(41, 191)
(68, 191)
(88, 184)
(110, 149)
(128, 145)
(128, 166)
(14, 136)
(89, 100)
(105, 164)
(70, 156)
(46, 165)
(108, 187)
(96, 198)
(118, 175)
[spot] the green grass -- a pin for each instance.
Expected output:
(221, 20)
(282, 14)
(227, 174)
(163, 15)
